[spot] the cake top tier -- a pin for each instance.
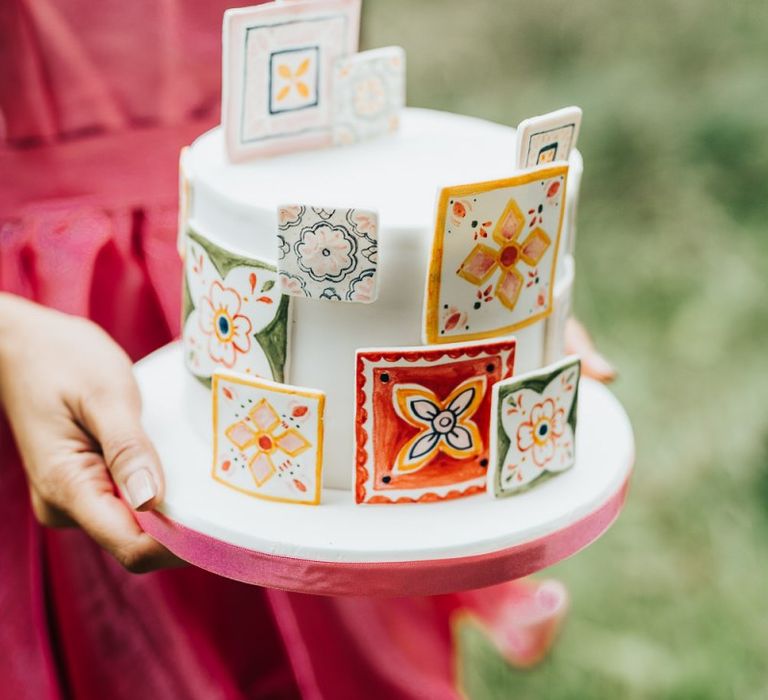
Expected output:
(397, 175)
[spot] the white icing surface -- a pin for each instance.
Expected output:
(235, 206)
(341, 531)
(568, 238)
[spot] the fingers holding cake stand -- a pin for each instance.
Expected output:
(342, 548)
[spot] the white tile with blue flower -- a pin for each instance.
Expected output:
(234, 316)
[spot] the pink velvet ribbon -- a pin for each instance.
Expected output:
(429, 577)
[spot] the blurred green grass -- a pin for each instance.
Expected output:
(673, 283)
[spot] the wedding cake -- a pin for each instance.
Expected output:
(374, 296)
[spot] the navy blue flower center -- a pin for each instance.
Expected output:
(223, 325)
(543, 429)
(443, 422)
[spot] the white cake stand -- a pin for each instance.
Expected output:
(340, 548)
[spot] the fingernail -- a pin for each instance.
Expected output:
(140, 488)
(601, 366)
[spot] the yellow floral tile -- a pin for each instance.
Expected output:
(268, 438)
(278, 73)
(494, 255)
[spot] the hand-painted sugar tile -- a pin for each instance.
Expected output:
(268, 438)
(329, 254)
(235, 316)
(494, 256)
(547, 138)
(369, 92)
(422, 421)
(278, 72)
(533, 427)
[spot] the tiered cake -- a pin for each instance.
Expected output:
(375, 297)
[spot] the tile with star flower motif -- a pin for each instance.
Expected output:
(278, 72)
(368, 94)
(494, 256)
(548, 137)
(328, 254)
(423, 418)
(267, 438)
(533, 427)
(234, 315)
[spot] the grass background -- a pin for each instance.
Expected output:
(672, 282)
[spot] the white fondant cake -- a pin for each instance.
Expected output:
(234, 207)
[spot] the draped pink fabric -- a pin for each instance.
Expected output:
(96, 99)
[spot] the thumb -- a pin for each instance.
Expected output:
(113, 418)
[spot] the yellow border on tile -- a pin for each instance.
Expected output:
(259, 383)
(432, 301)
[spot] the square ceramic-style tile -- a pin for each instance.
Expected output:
(329, 254)
(278, 72)
(268, 438)
(494, 255)
(547, 138)
(234, 315)
(533, 427)
(369, 92)
(423, 420)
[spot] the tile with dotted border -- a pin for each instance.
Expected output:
(422, 420)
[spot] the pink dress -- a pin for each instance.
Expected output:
(96, 99)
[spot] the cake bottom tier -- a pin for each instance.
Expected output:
(481, 539)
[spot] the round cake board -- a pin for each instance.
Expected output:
(341, 548)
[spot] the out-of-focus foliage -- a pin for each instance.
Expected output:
(673, 282)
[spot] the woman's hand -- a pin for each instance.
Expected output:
(593, 364)
(70, 397)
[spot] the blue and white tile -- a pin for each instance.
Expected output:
(328, 254)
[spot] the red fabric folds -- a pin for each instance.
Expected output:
(96, 100)
(77, 67)
(75, 624)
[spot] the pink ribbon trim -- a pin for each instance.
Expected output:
(410, 578)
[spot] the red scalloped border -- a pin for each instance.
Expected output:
(361, 414)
